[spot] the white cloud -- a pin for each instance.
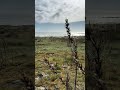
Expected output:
(56, 11)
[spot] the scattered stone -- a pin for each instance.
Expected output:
(40, 88)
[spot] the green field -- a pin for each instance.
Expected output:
(16, 56)
(105, 47)
(57, 52)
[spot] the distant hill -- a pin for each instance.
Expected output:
(60, 27)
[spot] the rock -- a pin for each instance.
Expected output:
(40, 88)
(40, 76)
(44, 75)
(64, 66)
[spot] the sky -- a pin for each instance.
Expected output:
(17, 12)
(54, 11)
(103, 5)
(97, 9)
(50, 15)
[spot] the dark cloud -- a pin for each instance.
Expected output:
(56, 15)
(96, 9)
(17, 12)
(102, 4)
(55, 11)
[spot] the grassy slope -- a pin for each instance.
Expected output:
(19, 48)
(112, 63)
(56, 51)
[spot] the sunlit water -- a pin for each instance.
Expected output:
(57, 34)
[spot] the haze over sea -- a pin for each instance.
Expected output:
(57, 34)
(58, 29)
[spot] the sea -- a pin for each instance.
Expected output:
(57, 34)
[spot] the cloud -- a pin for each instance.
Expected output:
(56, 11)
